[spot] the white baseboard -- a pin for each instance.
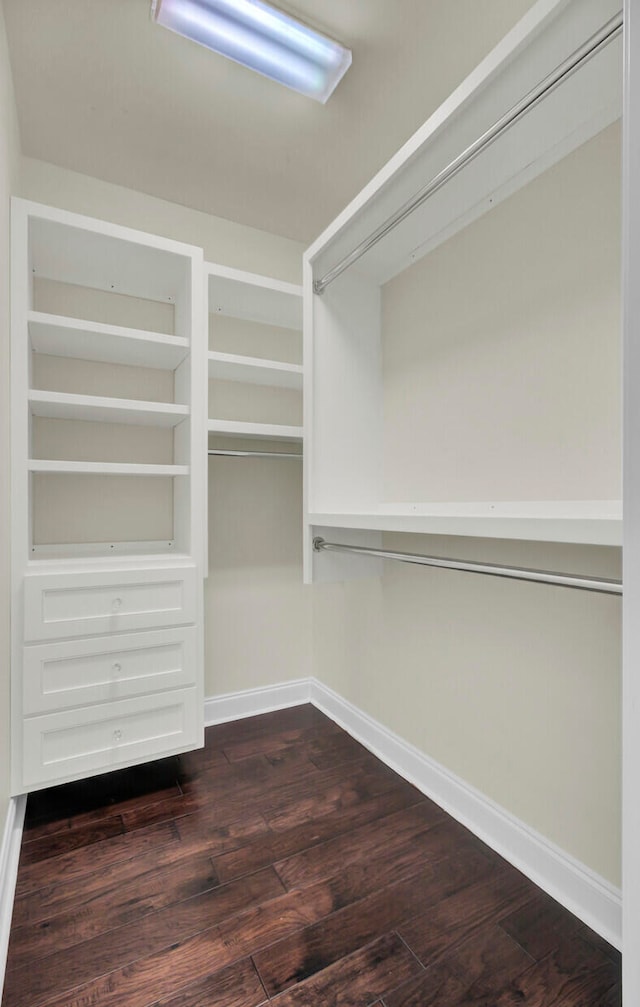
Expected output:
(9, 857)
(236, 705)
(584, 893)
(580, 890)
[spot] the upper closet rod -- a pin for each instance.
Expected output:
(599, 584)
(253, 454)
(592, 46)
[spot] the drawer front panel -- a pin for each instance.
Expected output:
(67, 605)
(78, 672)
(91, 739)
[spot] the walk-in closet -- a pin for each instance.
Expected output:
(318, 521)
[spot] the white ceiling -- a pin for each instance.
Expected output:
(102, 90)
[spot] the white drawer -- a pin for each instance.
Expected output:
(97, 738)
(69, 673)
(92, 603)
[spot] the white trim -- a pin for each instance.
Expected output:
(579, 889)
(9, 857)
(576, 887)
(249, 702)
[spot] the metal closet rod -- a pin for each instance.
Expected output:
(564, 70)
(598, 584)
(253, 454)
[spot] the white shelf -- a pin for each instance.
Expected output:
(65, 406)
(597, 522)
(254, 370)
(262, 431)
(70, 337)
(71, 248)
(106, 468)
(256, 298)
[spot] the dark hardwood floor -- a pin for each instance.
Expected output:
(281, 864)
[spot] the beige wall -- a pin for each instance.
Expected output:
(502, 347)
(257, 612)
(9, 163)
(501, 373)
(513, 687)
(223, 240)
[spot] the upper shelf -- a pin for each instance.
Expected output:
(115, 344)
(585, 522)
(570, 114)
(254, 370)
(253, 297)
(93, 253)
(261, 431)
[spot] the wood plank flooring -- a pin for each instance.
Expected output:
(282, 864)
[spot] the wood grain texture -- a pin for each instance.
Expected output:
(142, 939)
(71, 839)
(434, 934)
(89, 801)
(358, 844)
(290, 961)
(277, 846)
(573, 974)
(108, 909)
(357, 979)
(236, 986)
(281, 864)
(87, 860)
(473, 973)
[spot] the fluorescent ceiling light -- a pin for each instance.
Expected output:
(264, 39)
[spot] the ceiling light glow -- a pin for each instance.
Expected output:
(262, 38)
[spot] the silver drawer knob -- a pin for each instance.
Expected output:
(117, 604)
(117, 735)
(117, 667)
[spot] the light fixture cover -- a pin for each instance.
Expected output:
(262, 38)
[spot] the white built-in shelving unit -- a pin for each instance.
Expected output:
(255, 346)
(397, 437)
(108, 496)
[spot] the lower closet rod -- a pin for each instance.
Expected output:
(253, 454)
(599, 584)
